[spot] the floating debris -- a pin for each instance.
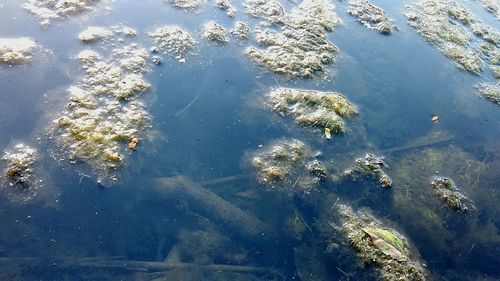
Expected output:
(156, 60)
(103, 111)
(288, 164)
(16, 50)
(313, 108)
(447, 191)
(370, 16)
(48, 10)
(434, 118)
(490, 91)
(215, 32)
(371, 166)
(240, 30)
(94, 33)
(454, 31)
(186, 4)
(381, 246)
(132, 145)
(226, 6)
(270, 10)
(302, 47)
(172, 41)
(328, 133)
(20, 162)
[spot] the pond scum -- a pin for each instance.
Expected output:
(105, 120)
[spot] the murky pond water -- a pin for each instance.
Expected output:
(167, 160)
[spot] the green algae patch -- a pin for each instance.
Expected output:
(270, 10)
(186, 4)
(104, 111)
(301, 48)
(226, 6)
(240, 30)
(380, 246)
(214, 32)
(370, 166)
(16, 50)
(96, 33)
(288, 165)
(370, 16)
(455, 32)
(313, 108)
(48, 10)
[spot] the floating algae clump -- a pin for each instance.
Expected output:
(270, 10)
(16, 50)
(20, 162)
(313, 108)
(226, 6)
(383, 247)
(301, 48)
(288, 164)
(490, 91)
(186, 4)
(240, 30)
(215, 32)
(173, 41)
(104, 113)
(493, 6)
(447, 191)
(47, 10)
(371, 166)
(95, 33)
(454, 30)
(370, 15)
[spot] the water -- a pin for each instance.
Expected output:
(207, 117)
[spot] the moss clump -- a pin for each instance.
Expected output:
(370, 16)
(371, 166)
(313, 108)
(288, 164)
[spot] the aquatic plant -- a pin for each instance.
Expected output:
(302, 47)
(16, 50)
(371, 166)
(370, 15)
(453, 30)
(20, 161)
(288, 164)
(215, 32)
(381, 246)
(313, 108)
(48, 10)
(446, 190)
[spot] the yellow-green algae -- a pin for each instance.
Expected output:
(390, 265)
(369, 15)
(313, 108)
(288, 164)
(301, 48)
(454, 31)
(104, 111)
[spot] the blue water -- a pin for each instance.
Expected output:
(397, 82)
